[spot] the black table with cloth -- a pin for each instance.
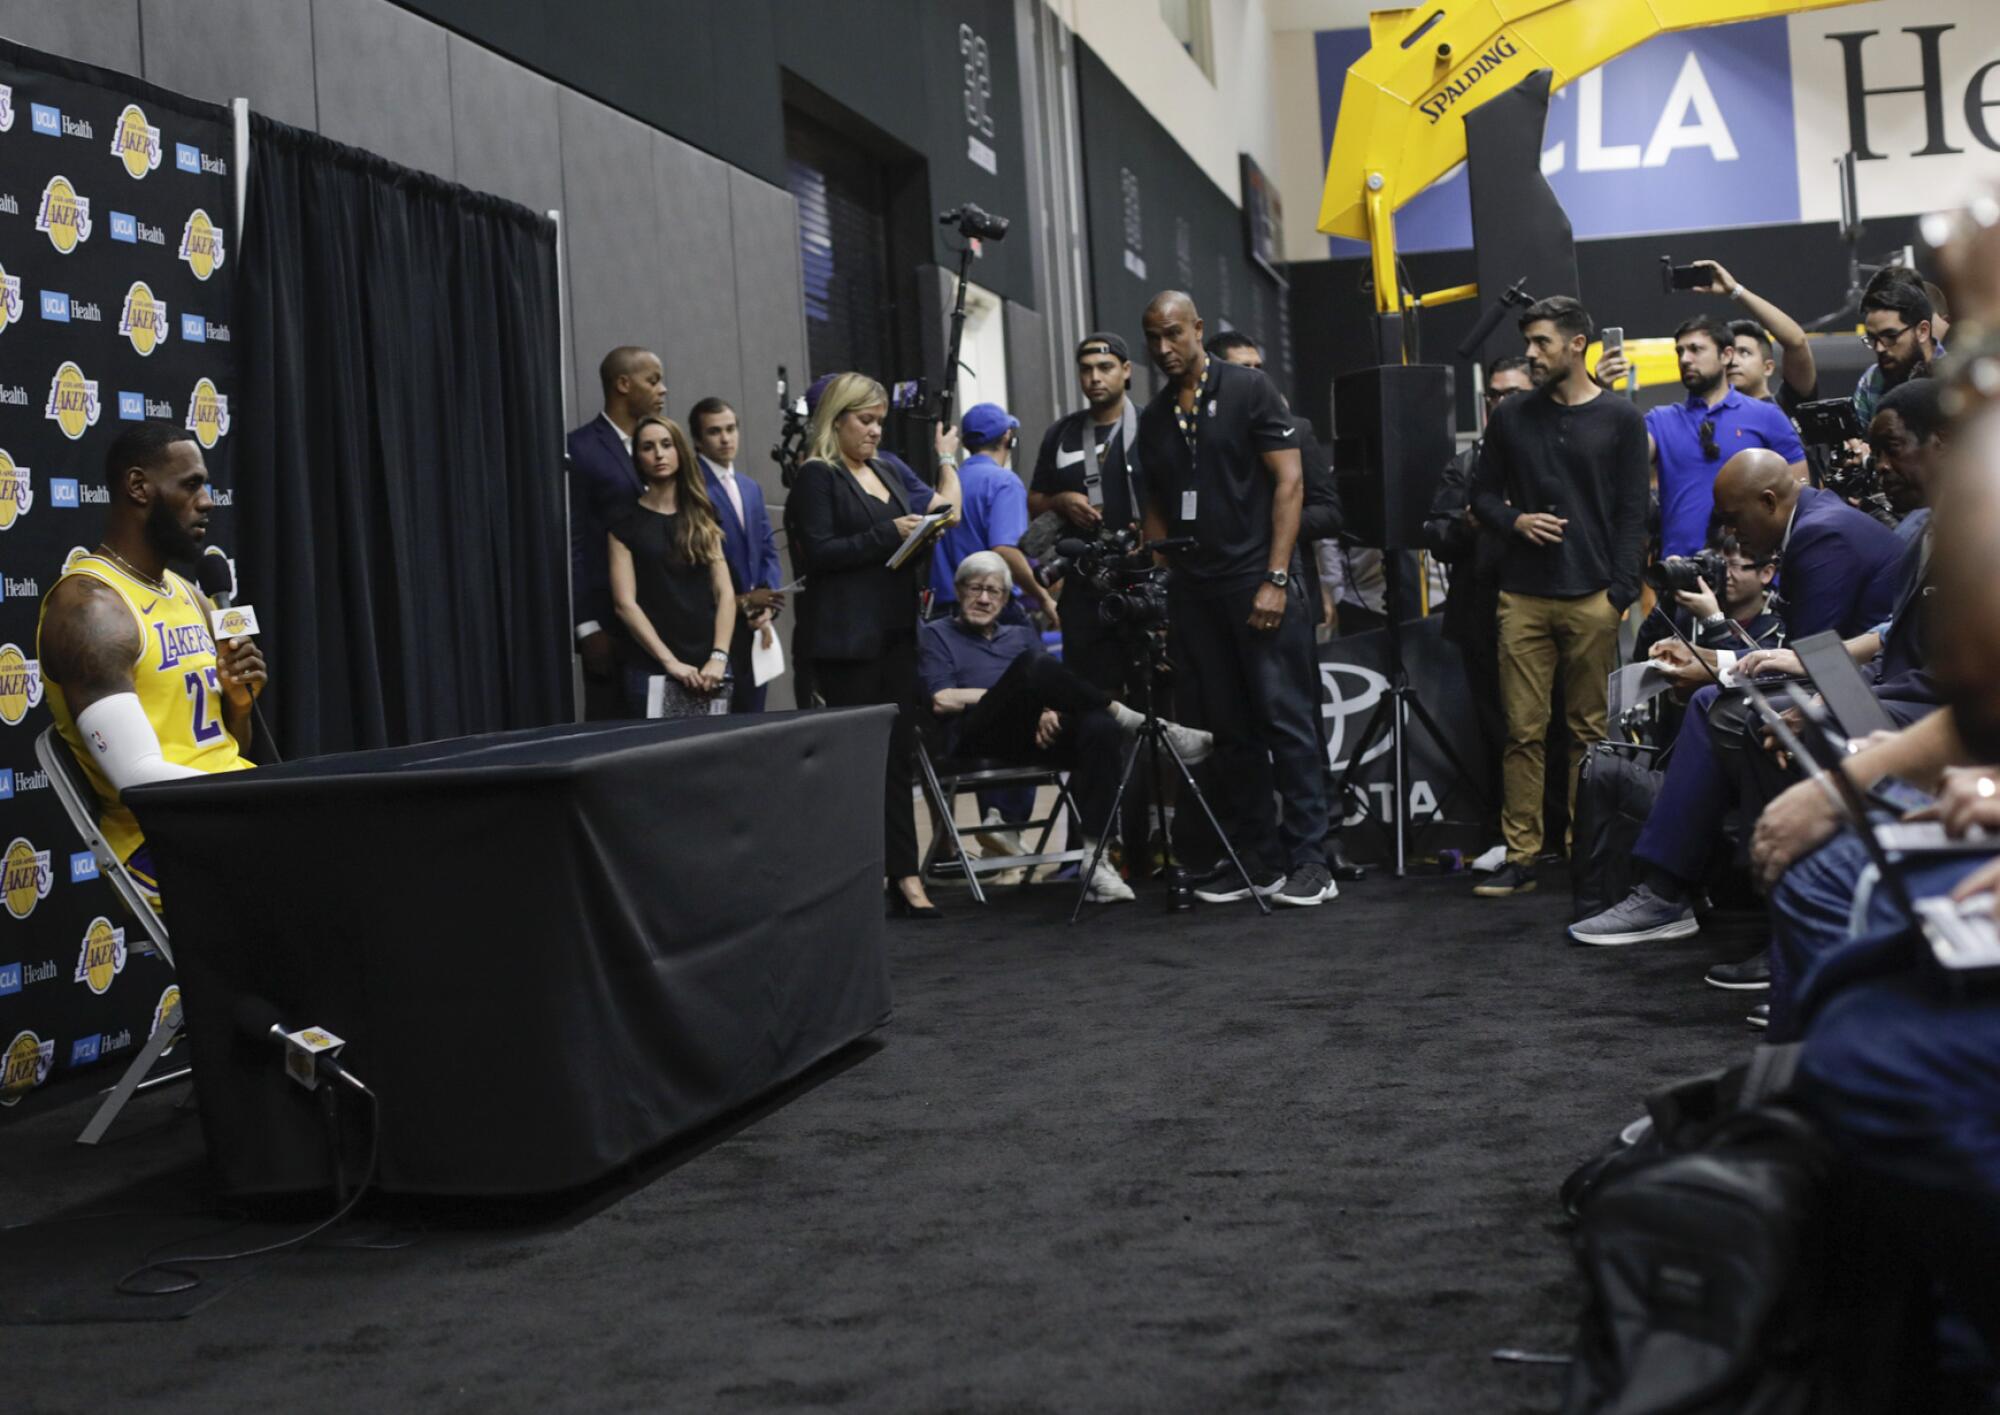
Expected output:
(549, 951)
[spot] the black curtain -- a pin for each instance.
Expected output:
(400, 473)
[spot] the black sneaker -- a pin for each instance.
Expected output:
(1751, 975)
(1223, 885)
(1760, 1016)
(1509, 879)
(1306, 886)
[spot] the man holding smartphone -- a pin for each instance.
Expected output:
(1562, 474)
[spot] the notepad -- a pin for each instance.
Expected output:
(918, 538)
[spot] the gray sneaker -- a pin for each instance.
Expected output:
(1640, 917)
(1307, 886)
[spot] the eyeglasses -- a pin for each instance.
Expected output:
(1885, 338)
(982, 592)
(1707, 434)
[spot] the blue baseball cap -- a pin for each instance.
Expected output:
(985, 424)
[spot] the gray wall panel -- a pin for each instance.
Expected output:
(696, 274)
(223, 49)
(611, 222)
(381, 75)
(506, 136)
(770, 310)
(96, 31)
(1028, 381)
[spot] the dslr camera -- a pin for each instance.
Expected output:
(1130, 590)
(1677, 573)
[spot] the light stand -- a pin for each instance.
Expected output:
(1152, 738)
(1398, 701)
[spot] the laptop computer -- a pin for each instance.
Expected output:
(1855, 708)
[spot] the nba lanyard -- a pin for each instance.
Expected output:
(1093, 480)
(1189, 419)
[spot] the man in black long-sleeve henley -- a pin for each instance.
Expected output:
(1563, 472)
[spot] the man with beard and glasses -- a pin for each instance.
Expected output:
(136, 684)
(1899, 327)
(1691, 440)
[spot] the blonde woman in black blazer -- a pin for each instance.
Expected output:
(849, 512)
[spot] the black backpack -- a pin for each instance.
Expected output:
(1615, 790)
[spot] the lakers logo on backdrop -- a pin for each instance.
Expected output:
(168, 1009)
(64, 215)
(208, 413)
(20, 684)
(201, 244)
(144, 320)
(24, 876)
(17, 491)
(135, 142)
(6, 108)
(24, 1065)
(73, 401)
(103, 956)
(10, 299)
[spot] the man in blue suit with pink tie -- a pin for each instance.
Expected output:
(747, 542)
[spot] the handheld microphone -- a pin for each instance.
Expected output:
(217, 579)
(311, 1053)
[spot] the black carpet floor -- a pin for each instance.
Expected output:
(1203, 1163)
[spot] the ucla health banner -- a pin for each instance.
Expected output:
(117, 204)
(1741, 125)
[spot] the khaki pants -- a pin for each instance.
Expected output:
(1540, 638)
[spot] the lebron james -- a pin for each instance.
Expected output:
(135, 681)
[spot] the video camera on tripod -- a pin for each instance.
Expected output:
(1827, 427)
(1118, 567)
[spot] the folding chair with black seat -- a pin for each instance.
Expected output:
(79, 799)
(946, 778)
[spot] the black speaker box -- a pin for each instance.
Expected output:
(1392, 436)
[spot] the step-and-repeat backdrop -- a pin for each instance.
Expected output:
(117, 204)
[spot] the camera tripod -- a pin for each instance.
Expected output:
(1152, 740)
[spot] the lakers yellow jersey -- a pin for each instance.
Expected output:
(176, 680)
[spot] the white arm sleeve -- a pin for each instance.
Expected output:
(124, 745)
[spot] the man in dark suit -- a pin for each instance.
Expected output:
(747, 542)
(603, 482)
(1838, 569)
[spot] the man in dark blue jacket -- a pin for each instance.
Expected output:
(603, 482)
(1838, 569)
(747, 541)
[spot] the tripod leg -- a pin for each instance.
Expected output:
(1104, 834)
(1263, 905)
(1445, 746)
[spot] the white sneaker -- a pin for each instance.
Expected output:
(1105, 885)
(995, 838)
(1492, 860)
(1191, 743)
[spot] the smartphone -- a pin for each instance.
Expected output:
(1614, 341)
(907, 395)
(1680, 277)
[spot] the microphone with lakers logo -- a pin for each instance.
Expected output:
(312, 1054)
(217, 577)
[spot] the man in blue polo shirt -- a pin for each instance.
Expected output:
(1691, 440)
(995, 515)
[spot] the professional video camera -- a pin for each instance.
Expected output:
(792, 430)
(975, 224)
(1116, 564)
(1677, 573)
(1827, 428)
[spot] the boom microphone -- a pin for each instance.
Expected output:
(1514, 297)
(311, 1053)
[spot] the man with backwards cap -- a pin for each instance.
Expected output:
(994, 518)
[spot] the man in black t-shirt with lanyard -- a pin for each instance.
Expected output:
(1090, 482)
(1221, 463)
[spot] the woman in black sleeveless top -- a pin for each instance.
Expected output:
(669, 581)
(850, 513)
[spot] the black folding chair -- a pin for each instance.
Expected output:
(946, 778)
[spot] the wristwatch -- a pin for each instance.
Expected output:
(1278, 577)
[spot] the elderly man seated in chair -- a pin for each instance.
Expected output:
(1001, 695)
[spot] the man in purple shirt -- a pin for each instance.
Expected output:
(1691, 440)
